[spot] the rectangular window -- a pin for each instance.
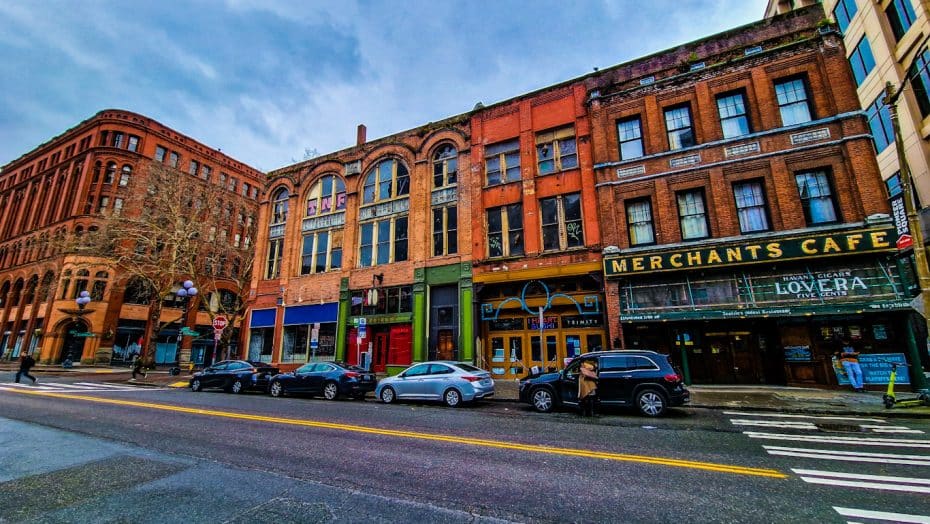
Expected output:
(445, 231)
(400, 239)
(555, 151)
(750, 206)
(639, 222)
(205, 172)
(118, 139)
(561, 222)
(505, 231)
(920, 81)
(366, 246)
(843, 13)
(861, 60)
(104, 203)
(733, 119)
(275, 254)
(382, 242)
(194, 168)
(133, 143)
(630, 136)
(880, 123)
(233, 184)
(816, 197)
(175, 160)
(502, 162)
(160, 153)
(792, 101)
(692, 215)
(901, 16)
(678, 126)
(245, 189)
(117, 205)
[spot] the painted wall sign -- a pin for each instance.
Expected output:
(812, 246)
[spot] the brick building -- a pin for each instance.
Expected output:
(367, 249)
(536, 237)
(743, 210)
(64, 187)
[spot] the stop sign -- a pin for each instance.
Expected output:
(220, 323)
(904, 241)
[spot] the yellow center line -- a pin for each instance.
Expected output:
(532, 448)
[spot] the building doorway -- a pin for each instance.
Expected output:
(74, 334)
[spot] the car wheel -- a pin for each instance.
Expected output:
(388, 395)
(888, 401)
(452, 398)
(237, 386)
(196, 385)
(542, 400)
(276, 390)
(330, 391)
(651, 403)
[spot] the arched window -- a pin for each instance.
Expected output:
(387, 180)
(124, 175)
(80, 282)
(138, 292)
(110, 173)
(445, 166)
(279, 206)
(4, 291)
(328, 195)
(98, 167)
(100, 285)
(45, 292)
(31, 289)
(17, 292)
(322, 246)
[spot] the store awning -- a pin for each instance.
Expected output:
(311, 314)
(262, 318)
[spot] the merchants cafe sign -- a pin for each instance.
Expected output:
(770, 250)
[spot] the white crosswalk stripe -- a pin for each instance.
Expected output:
(810, 426)
(787, 415)
(855, 480)
(77, 387)
(882, 515)
(831, 439)
(850, 456)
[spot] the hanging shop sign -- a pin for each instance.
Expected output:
(795, 248)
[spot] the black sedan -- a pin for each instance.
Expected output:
(234, 376)
(329, 379)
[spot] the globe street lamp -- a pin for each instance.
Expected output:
(82, 300)
(186, 293)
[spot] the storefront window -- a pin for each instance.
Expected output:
(261, 344)
(389, 300)
(297, 345)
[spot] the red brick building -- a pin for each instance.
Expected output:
(741, 203)
(367, 250)
(64, 187)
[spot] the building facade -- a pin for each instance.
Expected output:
(363, 254)
(747, 225)
(66, 187)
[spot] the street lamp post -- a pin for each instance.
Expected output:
(913, 223)
(81, 301)
(187, 292)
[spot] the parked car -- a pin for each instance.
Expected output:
(234, 376)
(329, 379)
(642, 379)
(451, 382)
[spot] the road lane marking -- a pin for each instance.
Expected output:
(179, 384)
(810, 426)
(79, 387)
(857, 441)
(438, 437)
(850, 456)
(882, 515)
(779, 415)
(102, 385)
(854, 480)
(889, 429)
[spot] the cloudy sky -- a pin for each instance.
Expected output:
(265, 80)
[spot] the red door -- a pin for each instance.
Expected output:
(401, 337)
(380, 350)
(353, 348)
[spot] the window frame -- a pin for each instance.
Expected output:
(274, 258)
(858, 57)
(828, 183)
(448, 230)
(903, 19)
(755, 206)
(741, 94)
(442, 159)
(682, 216)
(920, 81)
(392, 243)
(679, 143)
(374, 177)
(555, 141)
(639, 138)
(562, 223)
(503, 149)
(311, 266)
(878, 115)
(630, 224)
(279, 206)
(506, 232)
(336, 181)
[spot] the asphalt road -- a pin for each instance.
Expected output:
(80, 452)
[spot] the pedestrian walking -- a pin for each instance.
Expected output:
(849, 358)
(26, 362)
(587, 388)
(137, 367)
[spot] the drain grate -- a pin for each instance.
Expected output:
(839, 428)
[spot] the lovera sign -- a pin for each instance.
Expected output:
(769, 250)
(823, 285)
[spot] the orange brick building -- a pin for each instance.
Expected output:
(742, 209)
(64, 187)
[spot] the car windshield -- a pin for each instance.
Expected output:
(468, 367)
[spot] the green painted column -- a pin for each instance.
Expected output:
(419, 322)
(467, 326)
(342, 319)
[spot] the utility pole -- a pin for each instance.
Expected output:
(918, 379)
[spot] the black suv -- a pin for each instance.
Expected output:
(644, 379)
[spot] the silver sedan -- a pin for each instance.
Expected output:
(450, 382)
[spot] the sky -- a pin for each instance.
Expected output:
(266, 81)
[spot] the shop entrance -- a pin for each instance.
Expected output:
(72, 347)
(726, 357)
(512, 354)
(379, 352)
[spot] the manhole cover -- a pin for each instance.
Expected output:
(839, 428)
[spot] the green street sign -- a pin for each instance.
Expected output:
(188, 332)
(81, 334)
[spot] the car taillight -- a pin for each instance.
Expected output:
(471, 378)
(351, 374)
(672, 377)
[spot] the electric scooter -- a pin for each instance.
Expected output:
(889, 398)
